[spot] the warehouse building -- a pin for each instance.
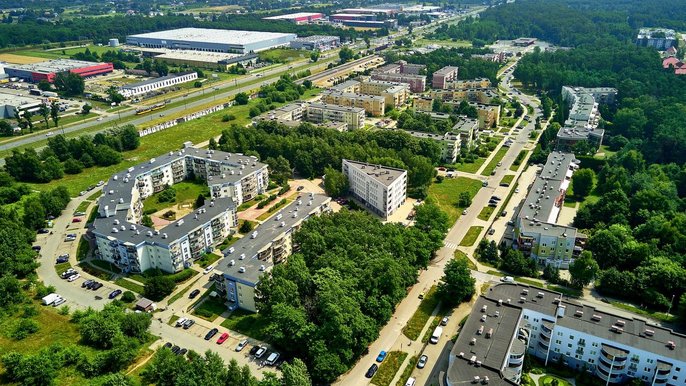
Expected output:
(269, 244)
(48, 70)
(316, 42)
(211, 40)
(10, 104)
(151, 85)
(298, 18)
(122, 240)
(380, 188)
(204, 59)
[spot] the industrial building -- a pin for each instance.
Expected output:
(151, 85)
(380, 188)
(211, 40)
(511, 321)
(536, 231)
(48, 70)
(441, 77)
(10, 104)
(123, 241)
(204, 59)
(658, 38)
(298, 18)
(584, 116)
(316, 42)
(362, 20)
(372, 104)
(269, 244)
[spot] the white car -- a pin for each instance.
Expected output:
(180, 322)
(260, 352)
(73, 277)
(99, 119)
(464, 212)
(208, 269)
(507, 279)
(241, 345)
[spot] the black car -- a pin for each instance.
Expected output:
(61, 260)
(36, 248)
(188, 324)
(254, 349)
(114, 293)
(96, 285)
(43, 231)
(167, 345)
(372, 370)
(183, 351)
(495, 198)
(176, 349)
(86, 283)
(211, 333)
(194, 293)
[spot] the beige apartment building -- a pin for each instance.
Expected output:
(373, 105)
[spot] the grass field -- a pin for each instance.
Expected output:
(281, 55)
(547, 380)
(471, 236)
(443, 43)
(130, 286)
(418, 320)
(486, 213)
(388, 368)
(82, 249)
(494, 161)
(407, 371)
(518, 161)
(461, 255)
(210, 308)
(208, 259)
(472, 167)
(447, 194)
(247, 323)
(660, 316)
(507, 179)
(186, 193)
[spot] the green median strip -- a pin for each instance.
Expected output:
(389, 367)
(418, 320)
(471, 236)
(494, 161)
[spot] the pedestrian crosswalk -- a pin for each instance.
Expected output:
(450, 245)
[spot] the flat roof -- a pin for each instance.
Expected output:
(50, 66)
(272, 229)
(382, 174)
(354, 15)
(17, 100)
(355, 96)
(217, 36)
(329, 106)
(317, 38)
(446, 70)
(466, 124)
(296, 15)
(156, 80)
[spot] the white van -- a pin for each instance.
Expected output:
(49, 299)
(272, 358)
(436, 335)
(410, 382)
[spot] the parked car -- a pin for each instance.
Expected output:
(272, 358)
(503, 213)
(182, 352)
(188, 324)
(464, 212)
(76, 219)
(223, 338)
(168, 345)
(194, 293)
(180, 322)
(211, 333)
(381, 356)
(241, 345)
(491, 231)
(371, 371)
(80, 214)
(507, 279)
(253, 350)
(66, 274)
(36, 248)
(208, 269)
(444, 321)
(59, 301)
(114, 293)
(43, 231)
(86, 283)
(422, 361)
(495, 198)
(61, 260)
(176, 349)
(260, 352)
(96, 285)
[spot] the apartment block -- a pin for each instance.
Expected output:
(123, 241)
(423, 104)
(442, 77)
(537, 233)
(291, 112)
(477, 95)
(373, 105)
(269, 244)
(402, 72)
(382, 189)
(468, 130)
(450, 143)
(584, 116)
(320, 113)
(396, 94)
(511, 321)
(467, 84)
(658, 38)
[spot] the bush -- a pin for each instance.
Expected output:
(156, 288)
(128, 297)
(64, 310)
(24, 328)
(228, 117)
(246, 227)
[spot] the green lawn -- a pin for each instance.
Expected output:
(82, 206)
(494, 161)
(407, 371)
(82, 249)
(105, 265)
(388, 368)
(444, 43)
(532, 282)
(660, 316)
(429, 331)
(179, 295)
(461, 255)
(249, 204)
(210, 308)
(60, 268)
(604, 149)
(418, 320)
(486, 213)
(518, 161)
(447, 194)
(507, 179)
(247, 323)
(186, 193)
(95, 271)
(547, 380)
(130, 286)
(208, 259)
(471, 236)
(470, 167)
(281, 55)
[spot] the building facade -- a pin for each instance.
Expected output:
(584, 116)
(354, 117)
(382, 189)
(269, 244)
(402, 72)
(148, 86)
(123, 241)
(298, 18)
(442, 77)
(658, 38)
(450, 144)
(316, 42)
(48, 70)
(468, 130)
(373, 105)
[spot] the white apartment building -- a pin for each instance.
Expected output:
(382, 189)
(317, 113)
(512, 319)
(123, 241)
(148, 86)
(584, 116)
(269, 244)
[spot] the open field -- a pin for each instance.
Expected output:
(281, 55)
(471, 236)
(186, 193)
(443, 43)
(247, 323)
(447, 194)
(19, 59)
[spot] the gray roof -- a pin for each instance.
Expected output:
(491, 352)
(155, 80)
(465, 124)
(345, 85)
(446, 70)
(219, 36)
(56, 65)
(383, 174)
(633, 334)
(328, 106)
(355, 96)
(266, 233)
(539, 203)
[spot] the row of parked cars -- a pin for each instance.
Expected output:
(176, 349)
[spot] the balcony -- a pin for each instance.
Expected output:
(543, 345)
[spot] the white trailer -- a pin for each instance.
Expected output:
(49, 299)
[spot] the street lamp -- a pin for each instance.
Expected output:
(670, 304)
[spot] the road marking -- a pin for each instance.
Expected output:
(450, 245)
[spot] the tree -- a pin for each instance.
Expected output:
(246, 227)
(335, 183)
(582, 182)
(6, 129)
(10, 291)
(98, 330)
(345, 55)
(514, 262)
(45, 112)
(464, 200)
(157, 287)
(34, 213)
(146, 221)
(242, 98)
(130, 139)
(86, 108)
(70, 83)
(44, 85)
(161, 68)
(72, 166)
(583, 270)
(114, 95)
(55, 113)
(200, 201)
(135, 325)
(128, 297)
(295, 374)
(457, 283)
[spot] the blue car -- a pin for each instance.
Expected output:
(114, 293)
(381, 357)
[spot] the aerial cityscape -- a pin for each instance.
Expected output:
(287, 193)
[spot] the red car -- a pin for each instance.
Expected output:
(223, 338)
(76, 219)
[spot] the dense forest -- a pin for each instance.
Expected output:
(635, 223)
(311, 149)
(329, 301)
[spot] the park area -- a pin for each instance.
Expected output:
(447, 194)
